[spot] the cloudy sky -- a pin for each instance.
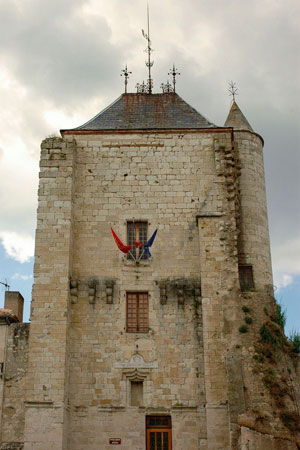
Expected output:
(60, 64)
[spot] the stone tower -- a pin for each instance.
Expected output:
(163, 352)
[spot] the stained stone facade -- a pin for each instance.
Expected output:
(191, 380)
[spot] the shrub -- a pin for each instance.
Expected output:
(294, 339)
(248, 320)
(280, 316)
(270, 336)
(258, 358)
(245, 309)
(290, 420)
(243, 329)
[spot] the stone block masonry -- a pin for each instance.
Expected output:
(89, 379)
(14, 363)
(46, 389)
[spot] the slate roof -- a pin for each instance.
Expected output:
(145, 112)
(236, 119)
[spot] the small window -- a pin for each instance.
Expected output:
(136, 231)
(137, 312)
(136, 393)
(246, 278)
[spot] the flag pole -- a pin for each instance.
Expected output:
(142, 254)
(131, 255)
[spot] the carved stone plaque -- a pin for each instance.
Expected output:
(136, 361)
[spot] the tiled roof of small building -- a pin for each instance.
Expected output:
(146, 111)
(8, 315)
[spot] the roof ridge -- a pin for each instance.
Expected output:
(139, 111)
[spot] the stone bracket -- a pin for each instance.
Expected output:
(74, 291)
(109, 291)
(183, 287)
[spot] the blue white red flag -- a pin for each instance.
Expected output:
(149, 244)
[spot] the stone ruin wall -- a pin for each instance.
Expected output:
(16, 336)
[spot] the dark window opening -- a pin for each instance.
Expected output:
(246, 278)
(137, 320)
(137, 231)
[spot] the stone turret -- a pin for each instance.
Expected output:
(253, 241)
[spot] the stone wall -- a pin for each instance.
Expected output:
(165, 180)
(46, 407)
(252, 440)
(14, 383)
(3, 345)
(197, 190)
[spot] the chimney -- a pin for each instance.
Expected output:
(15, 302)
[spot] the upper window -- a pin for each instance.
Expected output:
(246, 278)
(137, 233)
(137, 312)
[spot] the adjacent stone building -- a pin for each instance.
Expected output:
(180, 350)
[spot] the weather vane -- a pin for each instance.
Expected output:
(149, 50)
(232, 90)
(174, 72)
(126, 75)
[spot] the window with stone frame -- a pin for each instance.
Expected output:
(246, 277)
(136, 394)
(136, 231)
(137, 312)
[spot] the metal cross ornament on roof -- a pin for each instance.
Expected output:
(142, 88)
(174, 72)
(232, 90)
(166, 87)
(126, 75)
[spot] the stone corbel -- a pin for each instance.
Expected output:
(163, 292)
(92, 291)
(180, 286)
(74, 291)
(180, 295)
(109, 291)
(197, 291)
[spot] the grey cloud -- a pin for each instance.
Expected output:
(62, 59)
(56, 54)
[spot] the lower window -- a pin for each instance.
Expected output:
(137, 312)
(159, 433)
